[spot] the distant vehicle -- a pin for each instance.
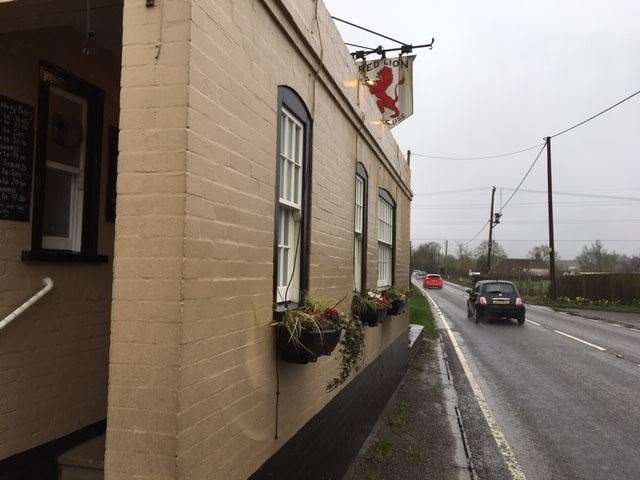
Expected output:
(433, 281)
(419, 273)
(495, 299)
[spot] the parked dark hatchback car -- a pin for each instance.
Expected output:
(495, 299)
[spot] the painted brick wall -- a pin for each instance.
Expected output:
(53, 359)
(147, 285)
(192, 367)
(240, 52)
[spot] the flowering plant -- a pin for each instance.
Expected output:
(378, 300)
(396, 294)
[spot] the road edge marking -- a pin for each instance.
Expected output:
(531, 321)
(602, 349)
(498, 435)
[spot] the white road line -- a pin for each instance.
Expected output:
(496, 430)
(580, 340)
(531, 321)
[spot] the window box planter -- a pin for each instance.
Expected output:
(309, 330)
(398, 307)
(310, 344)
(372, 316)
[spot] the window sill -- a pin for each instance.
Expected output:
(282, 307)
(61, 256)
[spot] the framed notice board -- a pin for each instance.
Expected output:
(16, 159)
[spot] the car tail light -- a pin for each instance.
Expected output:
(519, 301)
(482, 301)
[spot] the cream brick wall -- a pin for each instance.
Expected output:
(240, 53)
(192, 367)
(53, 359)
(149, 243)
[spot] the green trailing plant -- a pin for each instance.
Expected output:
(351, 350)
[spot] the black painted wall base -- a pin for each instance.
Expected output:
(326, 445)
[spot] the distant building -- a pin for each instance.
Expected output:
(521, 266)
(568, 266)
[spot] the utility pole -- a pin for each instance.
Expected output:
(552, 249)
(446, 255)
(408, 157)
(493, 194)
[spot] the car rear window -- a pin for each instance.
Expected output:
(499, 288)
(433, 276)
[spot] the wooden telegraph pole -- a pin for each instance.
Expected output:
(552, 249)
(493, 194)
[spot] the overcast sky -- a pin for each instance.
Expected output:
(503, 75)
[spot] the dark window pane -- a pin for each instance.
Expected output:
(65, 141)
(57, 203)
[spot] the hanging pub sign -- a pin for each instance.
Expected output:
(390, 81)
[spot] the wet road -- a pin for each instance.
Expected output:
(565, 389)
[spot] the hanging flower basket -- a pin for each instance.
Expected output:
(398, 307)
(307, 346)
(304, 334)
(370, 307)
(397, 299)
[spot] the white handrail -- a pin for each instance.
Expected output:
(48, 285)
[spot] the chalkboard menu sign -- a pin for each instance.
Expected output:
(16, 159)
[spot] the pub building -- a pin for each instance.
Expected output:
(173, 173)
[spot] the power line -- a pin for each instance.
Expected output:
(597, 114)
(523, 179)
(463, 206)
(577, 194)
(368, 30)
(447, 192)
(533, 222)
(517, 240)
(477, 234)
(483, 157)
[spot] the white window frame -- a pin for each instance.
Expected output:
(290, 195)
(73, 241)
(386, 233)
(358, 229)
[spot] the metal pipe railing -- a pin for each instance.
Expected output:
(48, 285)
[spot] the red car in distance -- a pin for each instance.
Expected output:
(433, 281)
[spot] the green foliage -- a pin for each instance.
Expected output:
(315, 314)
(541, 252)
(420, 313)
(596, 258)
(395, 293)
(369, 300)
(481, 251)
(380, 451)
(351, 351)
(426, 257)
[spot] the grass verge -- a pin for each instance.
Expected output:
(420, 313)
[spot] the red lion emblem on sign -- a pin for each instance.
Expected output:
(379, 89)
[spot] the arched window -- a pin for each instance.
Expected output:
(293, 194)
(360, 229)
(386, 237)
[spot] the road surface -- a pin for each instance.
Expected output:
(564, 389)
